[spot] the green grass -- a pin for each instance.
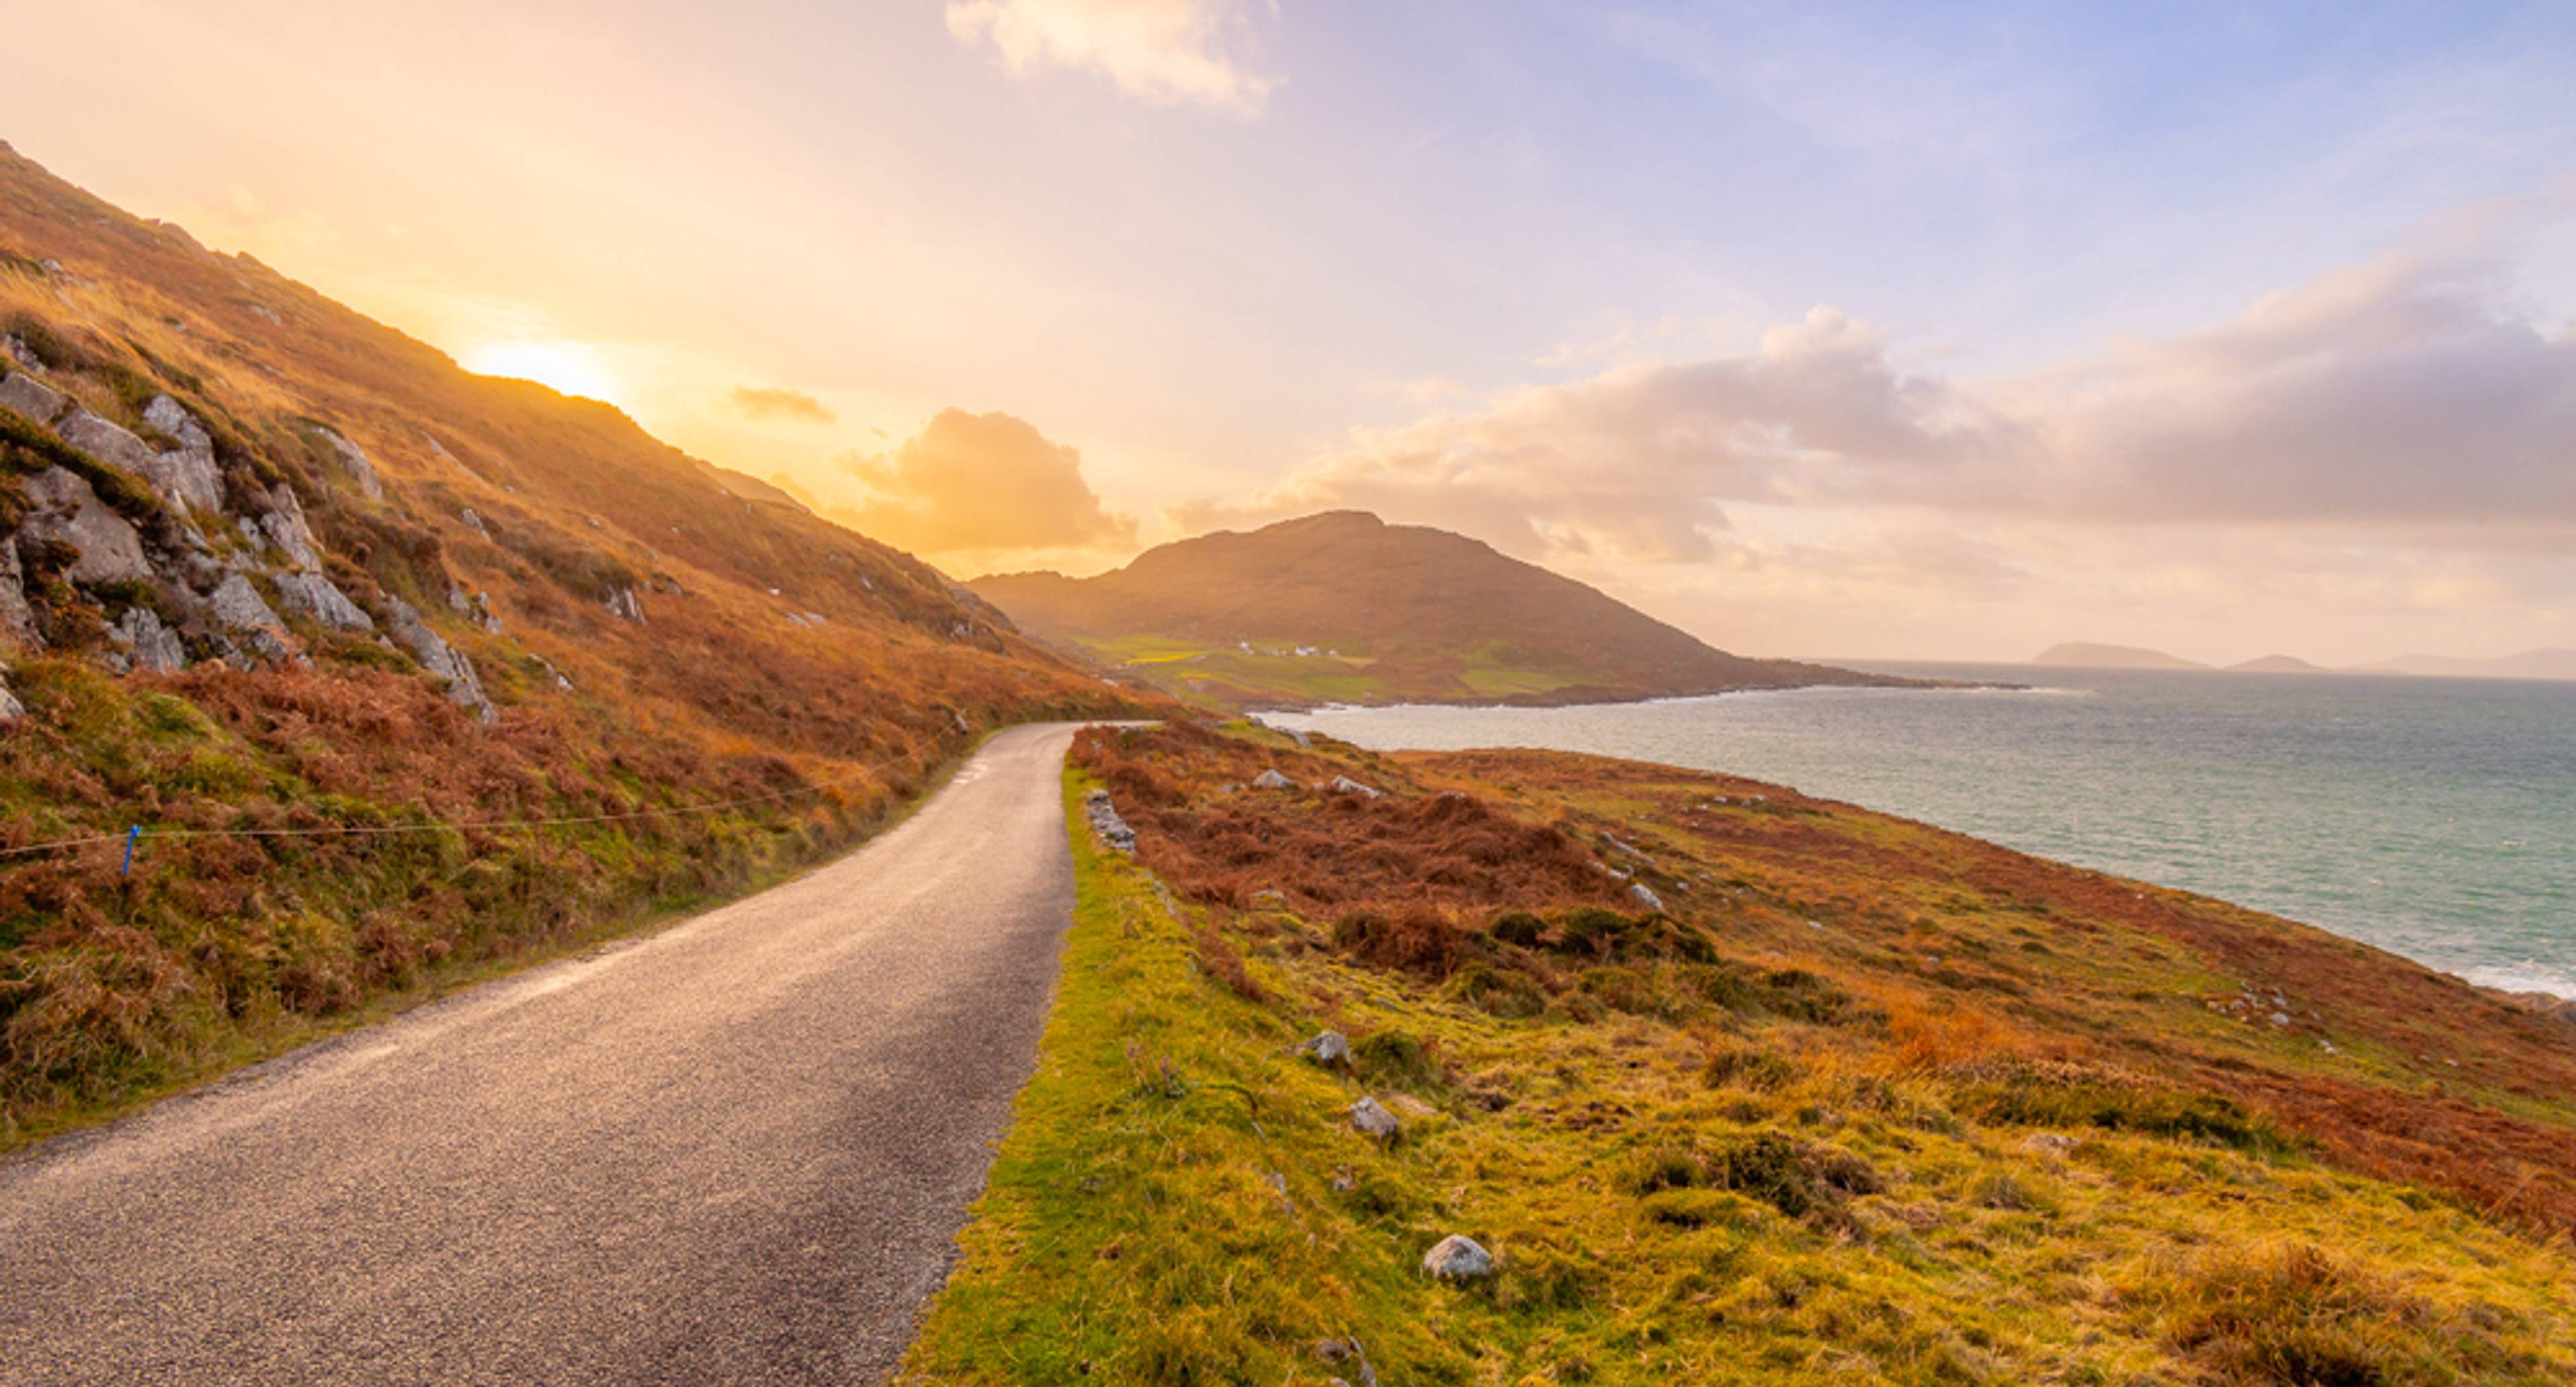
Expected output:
(1707, 1193)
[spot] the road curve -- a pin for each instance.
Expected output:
(736, 1151)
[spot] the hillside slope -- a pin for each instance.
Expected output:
(1801, 1093)
(331, 620)
(1342, 607)
(2094, 655)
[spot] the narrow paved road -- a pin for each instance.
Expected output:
(736, 1151)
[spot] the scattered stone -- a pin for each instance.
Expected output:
(1458, 1258)
(1272, 780)
(148, 643)
(1348, 1350)
(474, 522)
(474, 607)
(312, 595)
(1328, 1048)
(31, 397)
(561, 682)
(355, 462)
(1103, 814)
(2280, 1018)
(1644, 895)
(1300, 738)
(1343, 1179)
(1370, 1119)
(2049, 1144)
(63, 507)
(1344, 785)
(10, 708)
(623, 605)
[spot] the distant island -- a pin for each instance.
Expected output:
(1341, 607)
(2530, 664)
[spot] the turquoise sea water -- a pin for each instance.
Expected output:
(2432, 817)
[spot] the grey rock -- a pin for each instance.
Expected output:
(185, 476)
(1371, 1119)
(1328, 1048)
(63, 507)
(1458, 1258)
(15, 347)
(474, 521)
(1644, 895)
(1272, 780)
(107, 442)
(10, 708)
(1105, 821)
(1344, 785)
(32, 397)
(623, 605)
(1348, 1350)
(355, 462)
(286, 528)
(238, 607)
(17, 619)
(560, 681)
(173, 418)
(150, 644)
(475, 607)
(438, 657)
(312, 595)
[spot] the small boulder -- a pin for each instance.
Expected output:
(62, 507)
(17, 619)
(1105, 821)
(31, 397)
(1344, 785)
(312, 595)
(239, 608)
(285, 527)
(1371, 1119)
(1644, 895)
(355, 462)
(623, 605)
(439, 658)
(10, 708)
(1458, 1258)
(1272, 780)
(1329, 1049)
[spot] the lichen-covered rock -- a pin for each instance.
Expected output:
(355, 462)
(148, 643)
(1329, 1048)
(285, 528)
(438, 657)
(32, 397)
(312, 595)
(107, 442)
(1458, 1258)
(623, 605)
(1105, 821)
(61, 506)
(187, 475)
(1370, 1118)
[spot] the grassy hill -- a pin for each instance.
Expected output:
(1836, 1097)
(330, 619)
(1342, 607)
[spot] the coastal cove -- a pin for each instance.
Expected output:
(2435, 818)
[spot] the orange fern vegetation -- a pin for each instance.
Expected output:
(1836, 1095)
(654, 636)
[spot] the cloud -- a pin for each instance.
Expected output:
(1165, 51)
(762, 403)
(981, 483)
(2403, 396)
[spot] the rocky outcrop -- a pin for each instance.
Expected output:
(1370, 1119)
(240, 610)
(403, 621)
(62, 507)
(355, 462)
(623, 605)
(147, 644)
(475, 607)
(10, 708)
(1106, 822)
(313, 596)
(285, 527)
(186, 476)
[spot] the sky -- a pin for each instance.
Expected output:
(1921, 331)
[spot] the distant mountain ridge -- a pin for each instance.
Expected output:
(1343, 607)
(2530, 664)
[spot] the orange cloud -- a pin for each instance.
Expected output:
(761, 403)
(981, 482)
(1160, 50)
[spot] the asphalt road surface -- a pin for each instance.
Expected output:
(736, 1151)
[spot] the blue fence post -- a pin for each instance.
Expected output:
(130, 835)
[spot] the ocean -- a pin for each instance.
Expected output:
(2435, 818)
